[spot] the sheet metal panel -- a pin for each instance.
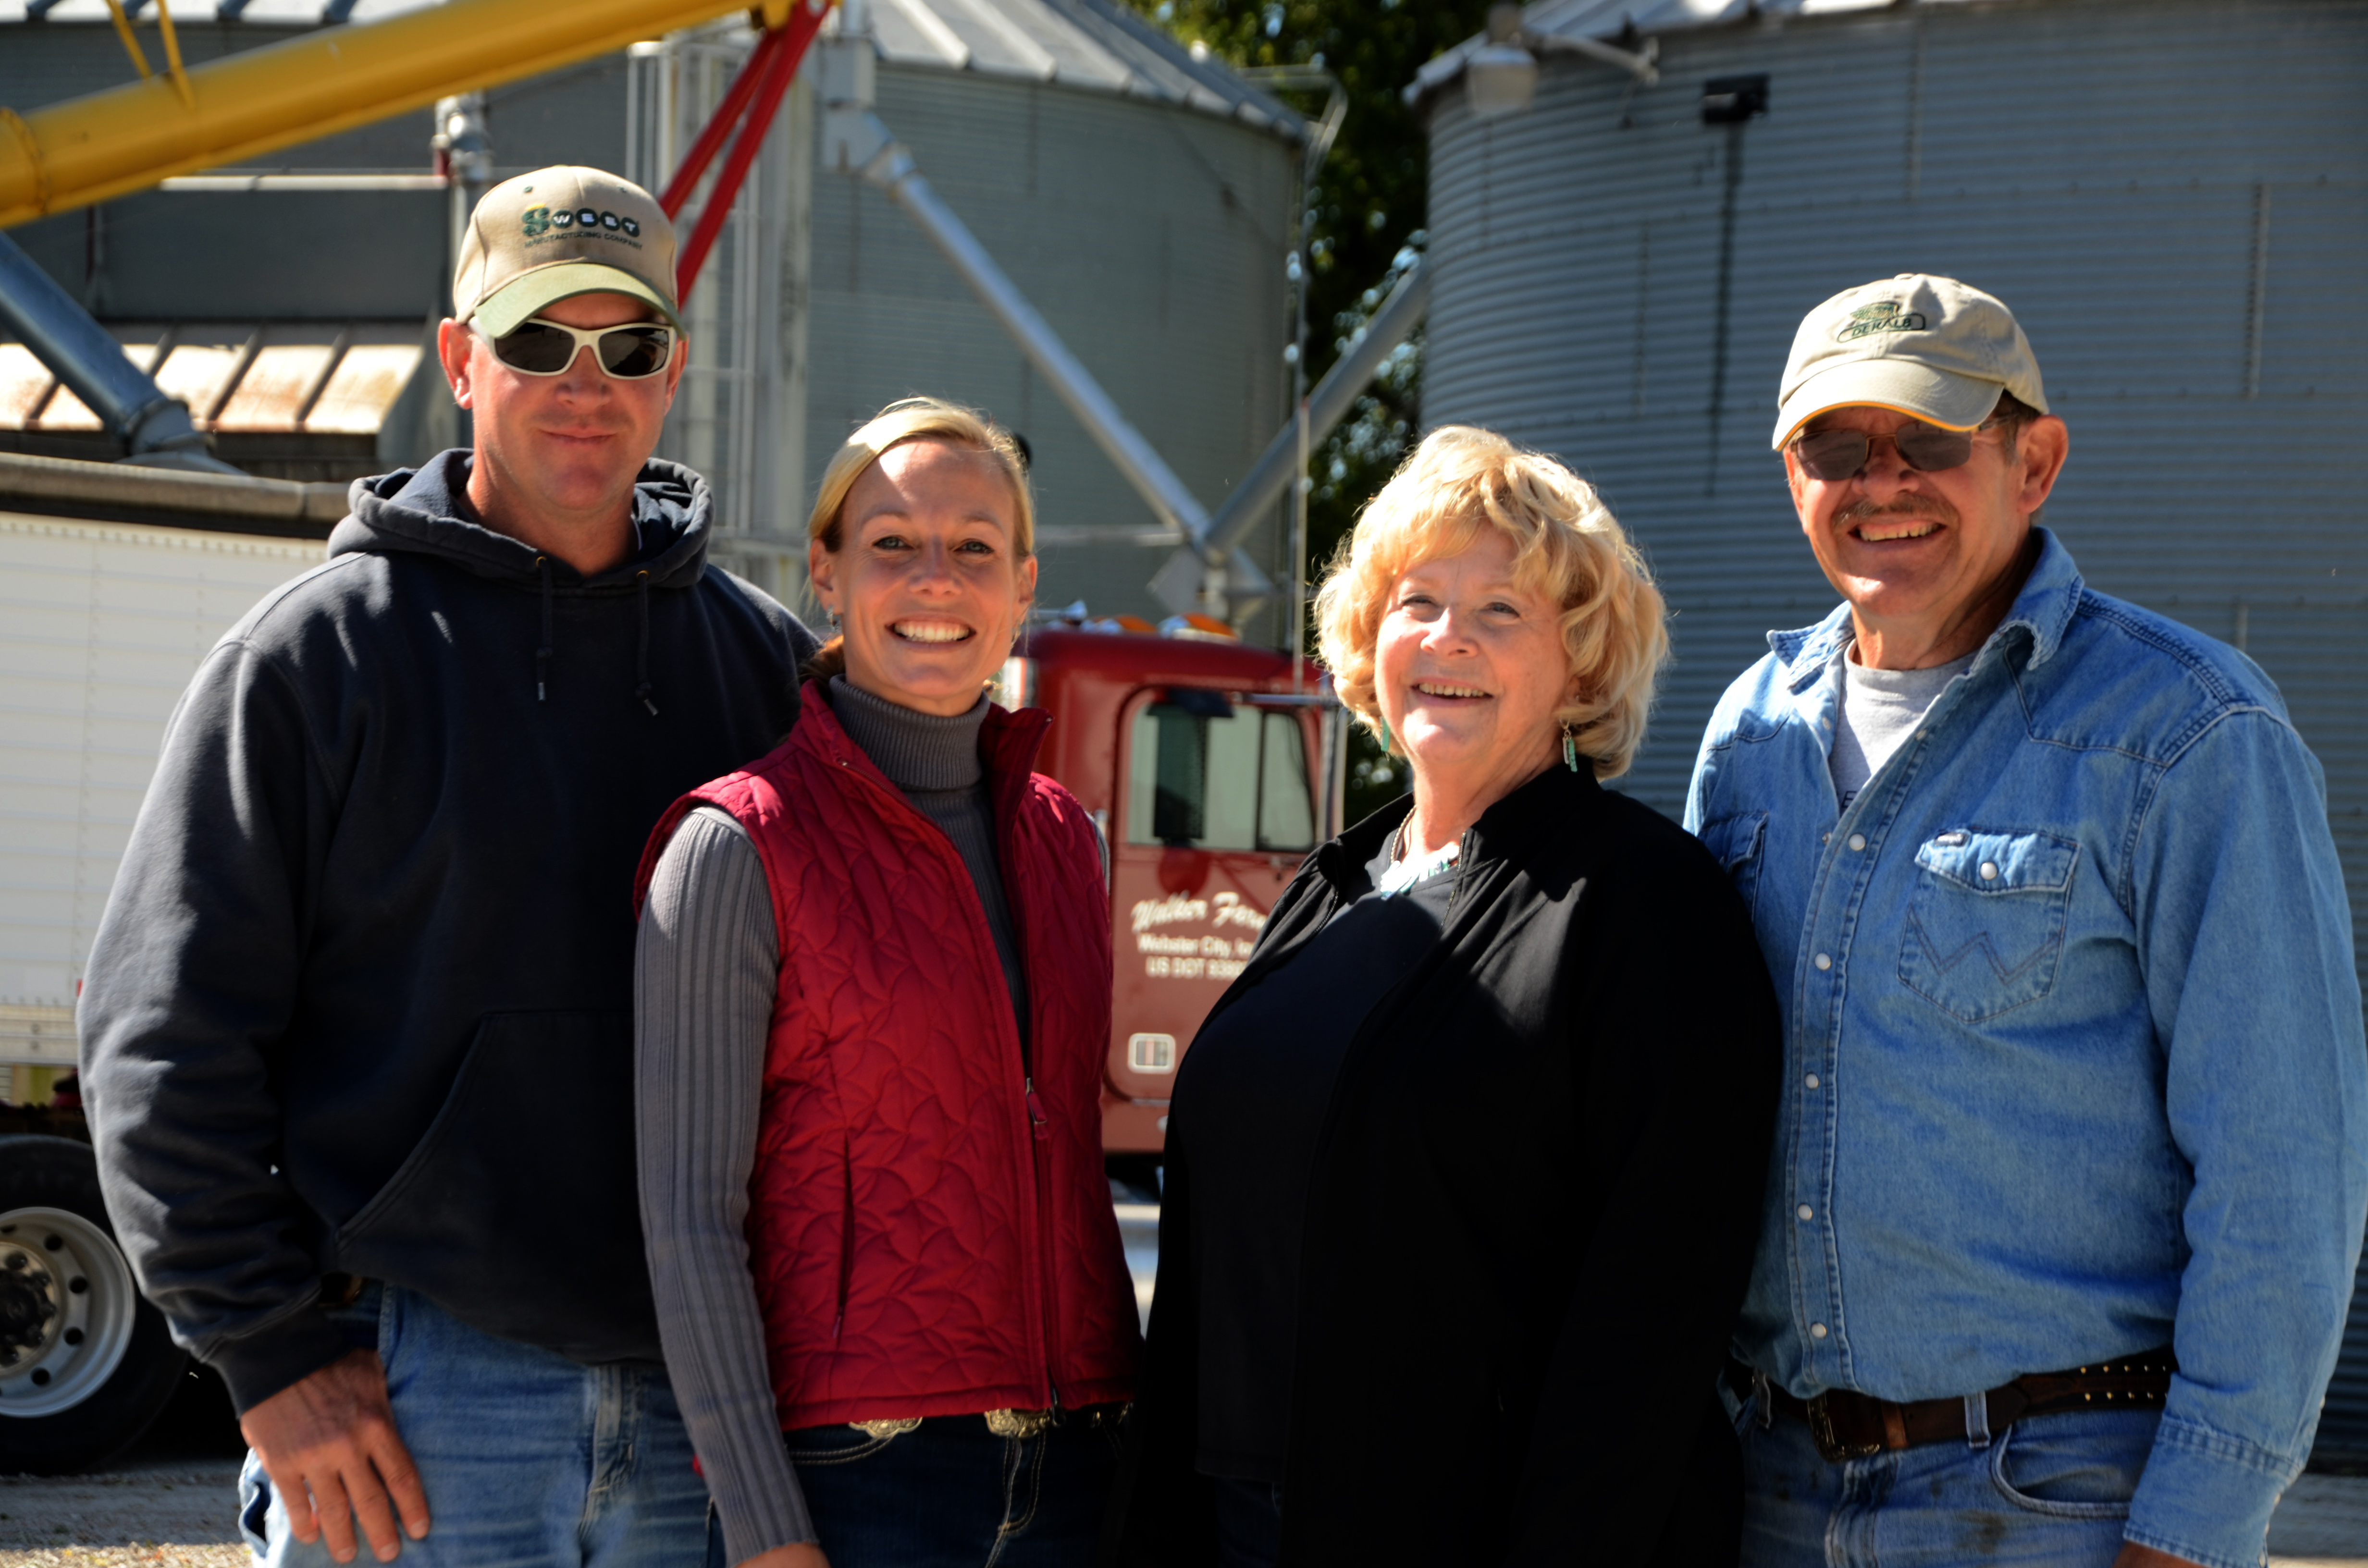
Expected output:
(102, 625)
(2173, 198)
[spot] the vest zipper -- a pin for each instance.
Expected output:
(846, 1236)
(1040, 1125)
(1039, 1128)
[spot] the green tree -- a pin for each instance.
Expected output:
(1365, 214)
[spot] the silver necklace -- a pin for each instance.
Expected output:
(1403, 873)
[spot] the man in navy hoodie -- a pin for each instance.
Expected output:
(357, 1033)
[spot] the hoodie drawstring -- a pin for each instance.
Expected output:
(642, 653)
(542, 654)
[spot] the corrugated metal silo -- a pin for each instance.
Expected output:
(2174, 197)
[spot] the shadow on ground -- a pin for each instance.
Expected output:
(170, 1501)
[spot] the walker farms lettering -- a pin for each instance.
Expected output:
(1233, 911)
(1168, 911)
(1206, 955)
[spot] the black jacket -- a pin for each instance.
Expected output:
(361, 999)
(1530, 1220)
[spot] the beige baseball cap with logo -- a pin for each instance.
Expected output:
(540, 238)
(1931, 347)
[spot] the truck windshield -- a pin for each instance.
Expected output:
(1219, 780)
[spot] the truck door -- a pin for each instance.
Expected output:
(1215, 812)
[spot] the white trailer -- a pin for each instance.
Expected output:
(114, 583)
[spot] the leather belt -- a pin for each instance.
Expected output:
(1846, 1424)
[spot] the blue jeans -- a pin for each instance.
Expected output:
(1250, 1523)
(2049, 1492)
(949, 1494)
(528, 1459)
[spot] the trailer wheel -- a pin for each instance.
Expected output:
(85, 1364)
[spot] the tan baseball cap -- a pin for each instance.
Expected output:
(540, 238)
(1931, 347)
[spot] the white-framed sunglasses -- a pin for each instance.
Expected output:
(632, 352)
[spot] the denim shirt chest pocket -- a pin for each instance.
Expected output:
(1985, 925)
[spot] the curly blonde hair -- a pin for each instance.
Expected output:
(1567, 547)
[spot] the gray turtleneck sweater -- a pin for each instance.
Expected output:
(706, 970)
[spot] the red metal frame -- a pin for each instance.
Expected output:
(727, 114)
(758, 90)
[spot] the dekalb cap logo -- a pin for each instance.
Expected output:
(1883, 315)
(537, 222)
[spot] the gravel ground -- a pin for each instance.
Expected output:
(172, 1501)
(171, 1514)
(180, 1516)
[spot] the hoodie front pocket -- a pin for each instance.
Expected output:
(518, 1211)
(1986, 927)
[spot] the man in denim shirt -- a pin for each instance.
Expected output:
(2070, 1174)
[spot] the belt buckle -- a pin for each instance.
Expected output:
(1018, 1423)
(1831, 1449)
(893, 1427)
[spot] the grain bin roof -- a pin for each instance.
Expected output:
(1610, 20)
(1092, 45)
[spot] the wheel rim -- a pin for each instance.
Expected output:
(66, 1307)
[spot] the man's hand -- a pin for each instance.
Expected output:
(2133, 1555)
(330, 1448)
(806, 1555)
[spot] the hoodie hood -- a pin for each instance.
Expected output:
(425, 511)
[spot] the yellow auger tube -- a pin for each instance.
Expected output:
(84, 150)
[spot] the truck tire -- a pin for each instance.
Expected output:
(86, 1364)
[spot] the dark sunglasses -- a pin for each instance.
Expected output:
(1833, 455)
(630, 353)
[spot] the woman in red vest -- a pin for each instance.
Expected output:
(873, 993)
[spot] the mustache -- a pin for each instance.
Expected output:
(1910, 506)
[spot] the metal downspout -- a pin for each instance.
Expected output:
(155, 430)
(856, 142)
(1175, 506)
(1326, 406)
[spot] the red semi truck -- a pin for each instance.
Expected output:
(1212, 768)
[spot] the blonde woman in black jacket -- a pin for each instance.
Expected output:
(1463, 1171)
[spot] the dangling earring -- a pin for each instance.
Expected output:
(1569, 748)
(1385, 734)
(832, 617)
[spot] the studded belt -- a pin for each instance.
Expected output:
(1852, 1425)
(1006, 1422)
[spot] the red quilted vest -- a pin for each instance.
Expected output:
(926, 1236)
